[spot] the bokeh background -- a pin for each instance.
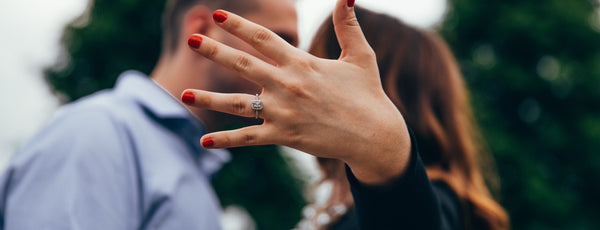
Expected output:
(532, 66)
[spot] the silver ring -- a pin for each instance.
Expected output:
(257, 106)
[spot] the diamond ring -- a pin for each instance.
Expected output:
(257, 106)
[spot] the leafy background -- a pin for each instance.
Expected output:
(533, 68)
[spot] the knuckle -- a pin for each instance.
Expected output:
(293, 135)
(366, 53)
(297, 89)
(238, 105)
(371, 53)
(233, 24)
(249, 139)
(203, 101)
(305, 64)
(212, 52)
(241, 63)
(287, 114)
(225, 140)
(352, 21)
(260, 36)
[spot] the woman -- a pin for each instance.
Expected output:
(422, 78)
(329, 108)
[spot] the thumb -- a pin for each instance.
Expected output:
(349, 34)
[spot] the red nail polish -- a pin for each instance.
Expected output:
(188, 98)
(194, 41)
(350, 3)
(207, 142)
(219, 16)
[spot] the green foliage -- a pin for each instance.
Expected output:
(126, 34)
(533, 70)
(119, 35)
(259, 180)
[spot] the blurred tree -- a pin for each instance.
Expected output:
(113, 36)
(117, 35)
(533, 68)
(258, 180)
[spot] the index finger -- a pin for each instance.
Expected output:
(262, 39)
(243, 63)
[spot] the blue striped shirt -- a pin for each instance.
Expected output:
(125, 158)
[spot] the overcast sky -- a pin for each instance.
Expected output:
(31, 30)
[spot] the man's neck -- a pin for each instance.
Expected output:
(176, 73)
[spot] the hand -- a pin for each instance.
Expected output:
(328, 108)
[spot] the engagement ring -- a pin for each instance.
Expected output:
(257, 106)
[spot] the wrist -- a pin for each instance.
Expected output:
(380, 167)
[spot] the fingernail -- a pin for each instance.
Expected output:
(194, 41)
(207, 142)
(350, 3)
(219, 16)
(188, 98)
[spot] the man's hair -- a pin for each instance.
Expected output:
(175, 11)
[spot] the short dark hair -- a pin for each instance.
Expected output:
(176, 9)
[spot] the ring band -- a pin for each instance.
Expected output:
(257, 106)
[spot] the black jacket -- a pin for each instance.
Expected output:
(408, 202)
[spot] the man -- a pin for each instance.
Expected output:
(130, 157)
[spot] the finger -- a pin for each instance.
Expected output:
(251, 135)
(245, 64)
(262, 39)
(348, 31)
(236, 104)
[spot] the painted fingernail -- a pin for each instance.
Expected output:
(219, 16)
(350, 3)
(188, 98)
(194, 41)
(207, 142)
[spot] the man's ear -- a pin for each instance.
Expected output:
(197, 20)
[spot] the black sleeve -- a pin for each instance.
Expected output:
(449, 205)
(408, 202)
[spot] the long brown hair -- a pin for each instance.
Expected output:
(420, 75)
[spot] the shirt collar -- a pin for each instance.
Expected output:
(152, 96)
(162, 105)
